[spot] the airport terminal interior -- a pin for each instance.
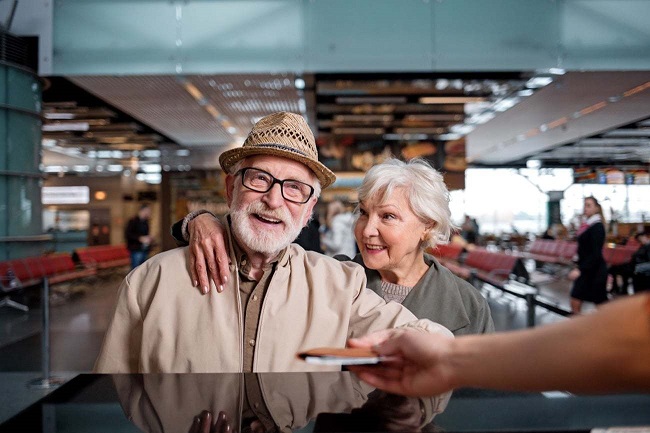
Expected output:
(526, 108)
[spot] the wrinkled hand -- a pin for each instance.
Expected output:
(208, 253)
(419, 364)
(203, 423)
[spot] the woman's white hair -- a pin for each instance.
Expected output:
(425, 191)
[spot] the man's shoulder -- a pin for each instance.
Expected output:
(172, 260)
(443, 277)
(175, 255)
(314, 259)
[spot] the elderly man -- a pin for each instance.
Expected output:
(279, 299)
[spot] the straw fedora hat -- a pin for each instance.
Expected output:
(281, 134)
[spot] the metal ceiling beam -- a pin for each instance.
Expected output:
(259, 36)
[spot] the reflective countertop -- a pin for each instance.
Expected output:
(307, 402)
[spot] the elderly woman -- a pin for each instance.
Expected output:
(403, 209)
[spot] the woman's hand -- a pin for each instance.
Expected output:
(419, 363)
(208, 253)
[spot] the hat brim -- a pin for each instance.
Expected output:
(230, 157)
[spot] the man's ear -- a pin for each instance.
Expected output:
(230, 186)
(310, 208)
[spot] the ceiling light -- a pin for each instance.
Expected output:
(115, 168)
(557, 71)
(299, 83)
(100, 195)
(442, 84)
(55, 168)
(505, 103)
(153, 178)
(533, 163)
(151, 168)
(193, 90)
(479, 119)
(538, 82)
(81, 168)
(151, 153)
(182, 152)
(525, 92)
(76, 126)
(59, 116)
(462, 128)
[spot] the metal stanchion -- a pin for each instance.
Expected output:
(46, 381)
(530, 303)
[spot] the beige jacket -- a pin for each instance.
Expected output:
(162, 324)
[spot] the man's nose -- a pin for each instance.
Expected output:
(273, 197)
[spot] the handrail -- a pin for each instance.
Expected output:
(27, 238)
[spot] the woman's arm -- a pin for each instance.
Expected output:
(208, 243)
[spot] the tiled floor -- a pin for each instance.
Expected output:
(78, 324)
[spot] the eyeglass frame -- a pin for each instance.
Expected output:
(275, 180)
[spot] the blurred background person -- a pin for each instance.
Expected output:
(136, 234)
(338, 237)
(469, 230)
(590, 277)
(641, 262)
(309, 237)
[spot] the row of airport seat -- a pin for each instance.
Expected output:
(16, 274)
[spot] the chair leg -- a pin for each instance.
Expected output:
(11, 303)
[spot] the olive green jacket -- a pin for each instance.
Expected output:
(442, 297)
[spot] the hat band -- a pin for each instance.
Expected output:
(287, 148)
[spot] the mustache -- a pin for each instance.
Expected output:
(258, 207)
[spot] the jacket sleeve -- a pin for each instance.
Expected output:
(177, 234)
(371, 313)
(120, 352)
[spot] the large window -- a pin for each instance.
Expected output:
(509, 200)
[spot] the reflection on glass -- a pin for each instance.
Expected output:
(268, 402)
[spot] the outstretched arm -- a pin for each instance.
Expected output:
(607, 351)
(208, 244)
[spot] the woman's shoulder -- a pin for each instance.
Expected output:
(444, 278)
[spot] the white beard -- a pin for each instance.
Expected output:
(264, 242)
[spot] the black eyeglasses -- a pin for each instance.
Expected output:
(261, 181)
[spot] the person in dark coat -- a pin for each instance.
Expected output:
(590, 277)
(309, 237)
(137, 236)
(641, 264)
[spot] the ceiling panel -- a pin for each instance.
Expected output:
(577, 105)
